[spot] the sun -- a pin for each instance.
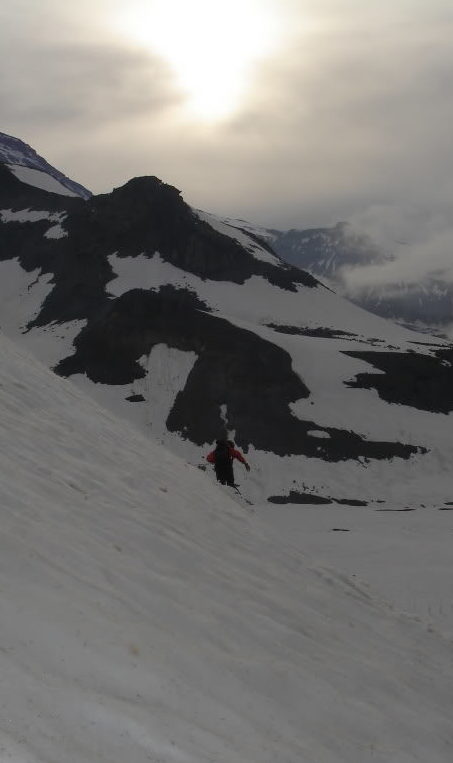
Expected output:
(211, 46)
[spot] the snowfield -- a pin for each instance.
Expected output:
(146, 616)
(403, 554)
(40, 179)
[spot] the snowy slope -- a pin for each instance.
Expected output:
(403, 553)
(40, 179)
(32, 169)
(146, 617)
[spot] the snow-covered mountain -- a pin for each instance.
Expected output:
(329, 253)
(192, 328)
(325, 252)
(427, 306)
(31, 168)
(147, 617)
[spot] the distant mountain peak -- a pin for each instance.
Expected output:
(334, 253)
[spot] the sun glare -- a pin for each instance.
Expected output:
(210, 46)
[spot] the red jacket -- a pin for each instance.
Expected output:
(232, 452)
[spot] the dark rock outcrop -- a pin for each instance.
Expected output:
(299, 498)
(319, 332)
(419, 381)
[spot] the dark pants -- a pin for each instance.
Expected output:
(224, 473)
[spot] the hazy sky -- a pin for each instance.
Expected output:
(283, 112)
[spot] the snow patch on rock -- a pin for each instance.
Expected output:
(55, 232)
(319, 434)
(225, 228)
(40, 179)
(30, 216)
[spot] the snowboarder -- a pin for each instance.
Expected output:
(222, 458)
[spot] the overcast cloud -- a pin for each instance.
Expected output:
(349, 118)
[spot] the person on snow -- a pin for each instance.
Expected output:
(222, 458)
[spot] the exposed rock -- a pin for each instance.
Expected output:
(420, 381)
(295, 497)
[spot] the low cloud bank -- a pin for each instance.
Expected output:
(417, 247)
